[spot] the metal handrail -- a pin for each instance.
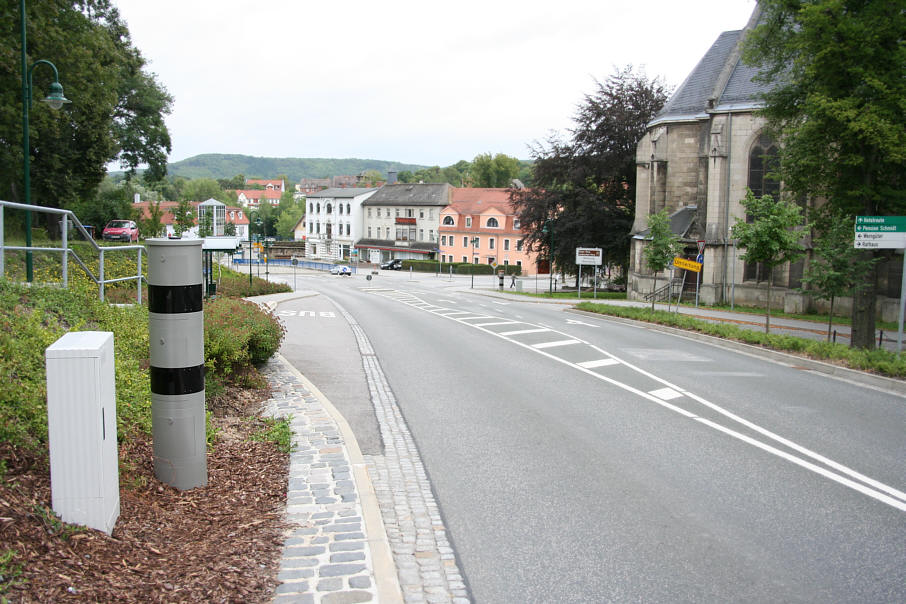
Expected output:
(65, 250)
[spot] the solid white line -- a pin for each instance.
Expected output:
(495, 323)
(807, 465)
(474, 317)
(666, 393)
(598, 363)
(520, 332)
(456, 312)
(898, 500)
(555, 344)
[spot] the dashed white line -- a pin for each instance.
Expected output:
(522, 331)
(665, 394)
(555, 344)
(598, 363)
(496, 323)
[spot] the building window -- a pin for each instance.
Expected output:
(448, 221)
(340, 209)
(491, 243)
(318, 228)
(468, 222)
(421, 213)
(347, 209)
(475, 260)
(763, 162)
(431, 214)
(410, 213)
(506, 245)
(329, 209)
(369, 232)
(431, 235)
(397, 212)
(515, 223)
(311, 226)
(492, 223)
(465, 242)
(464, 259)
(369, 212)
(421, 234)
(388, 212)
(519, 245)
(490, 260)
(506, 262)
(347, 228)
(519, 263)
(443, 240)
(311, 207)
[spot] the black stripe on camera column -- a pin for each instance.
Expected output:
(176, 342)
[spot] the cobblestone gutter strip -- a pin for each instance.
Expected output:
(326, 555)
(426, 563)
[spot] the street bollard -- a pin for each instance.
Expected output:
(176, 335)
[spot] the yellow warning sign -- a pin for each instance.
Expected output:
(689, 265)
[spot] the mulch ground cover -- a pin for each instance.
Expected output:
(219, 543)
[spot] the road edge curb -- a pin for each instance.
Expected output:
(385, 572)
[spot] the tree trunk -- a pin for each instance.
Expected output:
(767, 320)
(864, 303)
(653, 291)
(830, 319)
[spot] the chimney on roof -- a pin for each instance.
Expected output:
(391, 177)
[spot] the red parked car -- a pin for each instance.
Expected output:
(120, 230)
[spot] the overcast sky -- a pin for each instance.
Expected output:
(410, 81)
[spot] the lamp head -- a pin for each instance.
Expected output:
(55, 98)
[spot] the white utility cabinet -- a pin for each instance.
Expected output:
(81, 427)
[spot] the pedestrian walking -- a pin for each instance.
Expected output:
(513, 281)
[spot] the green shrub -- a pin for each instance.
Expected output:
(234, 284)
(237, 333)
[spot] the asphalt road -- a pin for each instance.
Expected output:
(583, 460)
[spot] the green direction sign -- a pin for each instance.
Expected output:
(881, 224)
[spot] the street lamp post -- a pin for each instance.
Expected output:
(258, 223)
(56, 100)
(250, 257)
(474, 242)
(548, 230)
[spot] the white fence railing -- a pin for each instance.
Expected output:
(66, 216)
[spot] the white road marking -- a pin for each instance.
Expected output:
(500, 303)
(666, 394)
(496, 323)
(574, 322)
(556, 344)
(876, 490)
(522, 331)
(598, 363)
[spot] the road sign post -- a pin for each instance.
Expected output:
(587, 256)
(885, 232)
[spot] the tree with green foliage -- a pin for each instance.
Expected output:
(183, 217)
(152, 225)
(117, 110)
(237, 182)
(202, 189)
(662, 247)
(836, 101)
(836, 267)
(496, 171)
(769, 236)
(405, 176)
(111, 202)
(206, 223)
(584, 188)
(287, 221)
(229, 229)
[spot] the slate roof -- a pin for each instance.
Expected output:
(680, 224)
(411, 194)
(340, 192)
(720, 82)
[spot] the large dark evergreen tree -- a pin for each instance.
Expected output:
(117, 107)
(837, 69)
(583, 189)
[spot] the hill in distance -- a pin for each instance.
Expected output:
(218, 165)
